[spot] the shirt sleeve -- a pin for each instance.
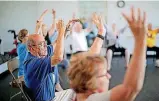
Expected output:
(42, 67)
(50, 50)
(53, 37)
(86, 33)
(155, 31)
(56, 74)
(22, 52)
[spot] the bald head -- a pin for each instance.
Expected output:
(77, 27)
(36, 38)
(36, 45)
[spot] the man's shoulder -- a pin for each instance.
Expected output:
(30, 59)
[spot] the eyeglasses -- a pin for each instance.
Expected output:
(106, 74)
(41, 44)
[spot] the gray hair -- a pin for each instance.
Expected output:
(29, 43)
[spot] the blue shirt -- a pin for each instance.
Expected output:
(40, 77)
(53, 37)
(22, 52)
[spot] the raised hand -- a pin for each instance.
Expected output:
(42, 15)
(95, 19)
(53, 12)
(71, 22)
(68, 25)
(98, 21)
(137, 25)
(60, 26)
(45, 11)
(73, 15)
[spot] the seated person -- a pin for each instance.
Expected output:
(22, 50)
(151, 42)
(40, 73)
(113, 37)
(89, 77)
(78, 37)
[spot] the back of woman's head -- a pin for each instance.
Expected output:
(83, 72)
(22, 34)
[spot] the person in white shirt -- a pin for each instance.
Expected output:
(78, 36)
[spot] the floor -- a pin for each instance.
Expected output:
(150, 91)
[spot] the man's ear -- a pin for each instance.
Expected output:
(30, 48)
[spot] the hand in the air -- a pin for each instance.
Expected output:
(137, 25)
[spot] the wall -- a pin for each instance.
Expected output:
(19, 14)
(15, 15)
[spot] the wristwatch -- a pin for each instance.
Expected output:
(100, 36)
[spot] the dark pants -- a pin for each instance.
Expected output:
(28, 92)
(155, 49)
(114, 49)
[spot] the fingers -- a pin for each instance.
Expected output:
(60, 24)
(132, 13)
(144, 18)
(100, 18)
(139, 15)
(126, 18)
(45, 11)
(131, 18)
(53, 11)
(141, 19)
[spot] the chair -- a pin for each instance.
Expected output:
(16, 83)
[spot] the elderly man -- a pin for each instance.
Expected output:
(40, 73)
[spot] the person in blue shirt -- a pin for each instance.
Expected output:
(40, 71)
(22, 50)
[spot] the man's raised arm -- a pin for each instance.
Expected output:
(59, 49)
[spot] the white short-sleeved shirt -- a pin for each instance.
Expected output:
(79, 42)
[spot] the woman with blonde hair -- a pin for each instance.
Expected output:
(22, 49)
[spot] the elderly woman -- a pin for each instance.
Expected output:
(88, 74)
(22, 49)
